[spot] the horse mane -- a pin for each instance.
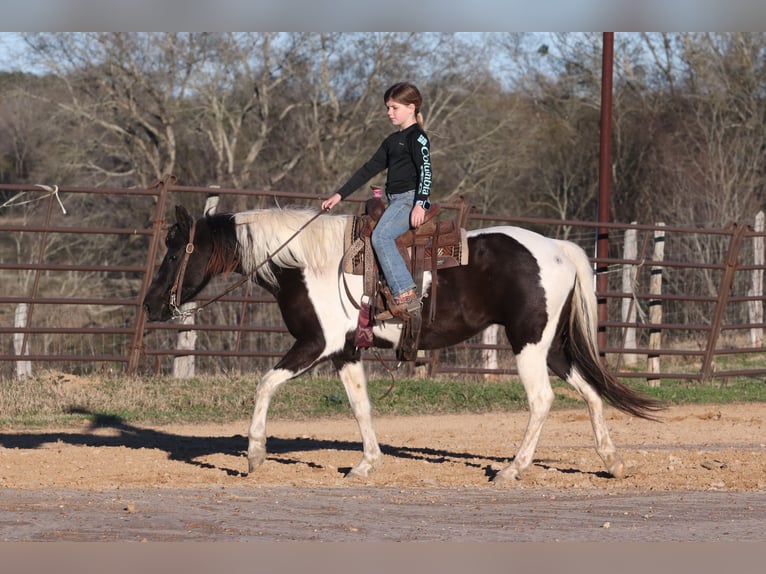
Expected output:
(262, 233)
(224, 256)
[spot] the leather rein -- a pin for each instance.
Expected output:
(175, 290)
(179, 313)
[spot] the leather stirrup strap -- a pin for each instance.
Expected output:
(434, 262)
(351, 252)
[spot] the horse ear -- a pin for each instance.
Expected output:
(183, 218)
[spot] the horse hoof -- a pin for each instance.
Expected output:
(357, 472)
(622, 471)
(506, 477)
(361, 470)
(255, 461)
(354, 474)
(618, 470)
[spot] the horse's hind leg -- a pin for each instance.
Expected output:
(355, 383)
(533, 372)
(604, 445)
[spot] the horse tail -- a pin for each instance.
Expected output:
(582, 343)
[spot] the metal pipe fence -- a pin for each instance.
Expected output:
(73, 274)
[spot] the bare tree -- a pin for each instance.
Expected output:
(706, 109)
(132, 88)
(239, 101)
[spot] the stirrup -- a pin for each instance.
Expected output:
(384, 316)
(398, 309)
(399, 313)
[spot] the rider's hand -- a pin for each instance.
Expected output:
(417, 216)
(331, 202)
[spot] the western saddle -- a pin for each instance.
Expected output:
(433, 246)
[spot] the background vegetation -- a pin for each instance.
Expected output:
(513, 118)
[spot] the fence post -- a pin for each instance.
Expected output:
(489, 356)
(724, 291)
(630, 251)
(655, 307)
(186, 340)
(755, 307)
(136, 345)
(23, 367)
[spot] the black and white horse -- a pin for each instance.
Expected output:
(539, 289)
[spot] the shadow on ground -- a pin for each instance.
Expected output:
(189, 449)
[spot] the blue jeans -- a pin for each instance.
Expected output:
(394, 221)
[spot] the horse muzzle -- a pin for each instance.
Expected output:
(157, 312)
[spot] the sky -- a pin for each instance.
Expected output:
(8, 45)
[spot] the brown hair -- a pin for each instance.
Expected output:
(406, 93)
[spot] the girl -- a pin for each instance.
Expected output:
(407, 156)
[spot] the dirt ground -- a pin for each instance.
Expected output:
(698, 475)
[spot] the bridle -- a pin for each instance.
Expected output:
(175, 290)
(178, 283)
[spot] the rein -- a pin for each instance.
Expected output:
(179, 313)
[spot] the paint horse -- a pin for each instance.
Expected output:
(539, 289)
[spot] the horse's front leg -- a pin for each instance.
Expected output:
(301, 356)
(355, 383)
(268, 385)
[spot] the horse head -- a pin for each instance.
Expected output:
(183, 271)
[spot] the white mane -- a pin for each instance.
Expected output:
(317, 247)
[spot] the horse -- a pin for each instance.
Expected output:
(541, 290)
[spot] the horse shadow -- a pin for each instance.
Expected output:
(190, 449)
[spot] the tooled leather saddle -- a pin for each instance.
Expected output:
(435, 245)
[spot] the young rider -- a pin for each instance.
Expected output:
(406, 155)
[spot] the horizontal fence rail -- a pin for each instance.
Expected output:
(681, 302)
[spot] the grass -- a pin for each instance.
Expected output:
(59, 399)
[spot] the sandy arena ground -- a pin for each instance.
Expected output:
(698, 475)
